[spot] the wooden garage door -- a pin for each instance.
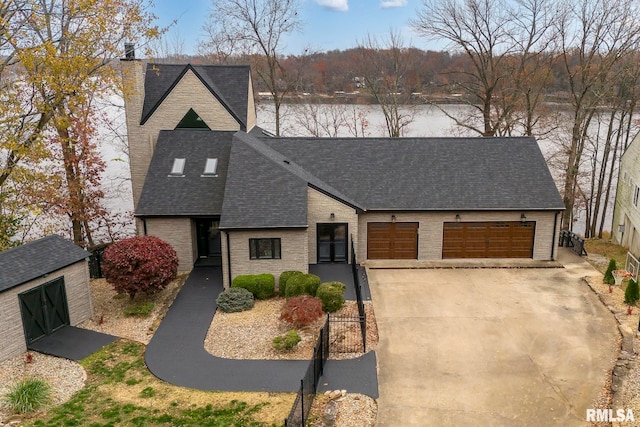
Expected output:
(392, 240)
(499, 239)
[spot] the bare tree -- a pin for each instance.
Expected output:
(247, 27)
(384, 66)
(596, 36)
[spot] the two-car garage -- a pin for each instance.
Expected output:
(473, 239)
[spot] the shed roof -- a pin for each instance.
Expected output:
(35, 259)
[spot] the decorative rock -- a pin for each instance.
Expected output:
(330, 414)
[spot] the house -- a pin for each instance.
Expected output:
(44, 286)
(220, 190)
(626, 214)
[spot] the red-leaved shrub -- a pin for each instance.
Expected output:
(302, 310)
(140, 264)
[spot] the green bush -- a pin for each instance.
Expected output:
(302, 284)
(284, 277)
(234, 300)
(287, 341)
(632, 293)
(28, 395)
(608, 277)
(139, 309)
(332, 295)
(262, 286)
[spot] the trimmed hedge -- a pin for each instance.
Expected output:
(262, 286)
(284, 277)
(234, 300)
(302, 284)
(332, 295)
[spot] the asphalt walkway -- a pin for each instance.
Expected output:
(176, 352)
(72, 343)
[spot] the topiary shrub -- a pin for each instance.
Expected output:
(302, 284)
(140, 264)
(287, 341)
(301, 310)
(608, 277)
(284, 277)
(28, 395)
(234, 300)
(332, 296)
(262, 286)
(632, 293)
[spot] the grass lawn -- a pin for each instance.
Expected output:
(120, 391)
(607, 249)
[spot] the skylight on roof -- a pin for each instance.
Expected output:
(178, 167)
(211, 167)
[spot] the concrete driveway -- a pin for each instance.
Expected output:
(525, 347)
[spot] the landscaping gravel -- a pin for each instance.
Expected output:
(64, 376)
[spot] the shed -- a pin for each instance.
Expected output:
(44, 286)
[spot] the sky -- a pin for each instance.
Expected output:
(326, 24)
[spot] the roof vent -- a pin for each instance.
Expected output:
(287, 161)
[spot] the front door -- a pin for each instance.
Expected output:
(44, 309)
(332, 242)
(208, 236)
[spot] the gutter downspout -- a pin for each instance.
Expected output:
(554, 237)
(144, 225)
(228, 257)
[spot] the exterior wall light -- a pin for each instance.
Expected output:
(457, 217)
(393, 218)
(523, 217)
(332, 217)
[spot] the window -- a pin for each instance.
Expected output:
(264, 248)
(211, 168)
(636, 194)
(178, 167)
(192, 120)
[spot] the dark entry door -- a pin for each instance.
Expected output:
(208, 237)
(332, 242)
(44, 309)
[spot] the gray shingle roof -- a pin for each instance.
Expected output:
(191, 194)
(34, 259)
(228, 83)
(261, 192)
(429, 173)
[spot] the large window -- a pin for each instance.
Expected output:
(264, 248)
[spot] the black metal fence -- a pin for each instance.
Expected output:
(359, 275)
(95, 261)
(570, 240)
(309, 384)
(345, 334)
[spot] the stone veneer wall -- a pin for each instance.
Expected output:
(76, 282)
(431, 226)
(293, 247)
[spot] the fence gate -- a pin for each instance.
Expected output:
(345, 334)
(44, 310)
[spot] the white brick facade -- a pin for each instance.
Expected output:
(319, 210)
(178, 232)
(76, 281)
(294, 253)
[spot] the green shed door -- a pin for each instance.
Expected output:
(44, 310)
